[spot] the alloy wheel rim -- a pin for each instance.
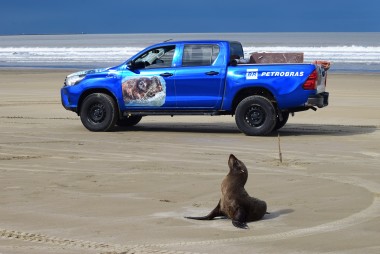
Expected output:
(97, 113)
(255, 116)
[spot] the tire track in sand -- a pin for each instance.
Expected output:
(370, 213)
(80, 244)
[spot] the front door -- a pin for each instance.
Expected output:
(150, 81)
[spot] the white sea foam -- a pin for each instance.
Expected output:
(66, 55)
(359, 58)
(358, 52)
(344, 54)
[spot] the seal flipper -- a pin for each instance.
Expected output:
(239, 224)
(240, 219)
(214, 213)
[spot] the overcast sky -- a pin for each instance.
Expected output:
(180, 16)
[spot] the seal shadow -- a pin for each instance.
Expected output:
(276, 214)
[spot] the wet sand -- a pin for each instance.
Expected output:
(64, 189)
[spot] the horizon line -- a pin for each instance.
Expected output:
(83, 33)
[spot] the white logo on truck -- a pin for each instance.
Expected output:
(282, 74)
(252, 74)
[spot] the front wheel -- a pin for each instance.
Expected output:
(98, 112)
(255, 116)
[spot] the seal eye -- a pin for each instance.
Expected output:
(238, 169)
(237, 166)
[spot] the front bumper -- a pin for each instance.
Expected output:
(67, 100)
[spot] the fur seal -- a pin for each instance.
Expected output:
(235, 203)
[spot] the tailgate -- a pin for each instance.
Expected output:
(321, 68)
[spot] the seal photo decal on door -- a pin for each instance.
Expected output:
(144, 91)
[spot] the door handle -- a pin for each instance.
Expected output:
(212, 73)
(166, 74)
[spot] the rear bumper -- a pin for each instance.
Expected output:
(319, 100)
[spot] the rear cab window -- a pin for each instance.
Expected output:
(236, 50)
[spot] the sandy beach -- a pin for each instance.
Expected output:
(64, 189)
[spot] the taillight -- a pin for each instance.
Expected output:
(311, 82)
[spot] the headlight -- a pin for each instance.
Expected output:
(74, 78)
(77, 77)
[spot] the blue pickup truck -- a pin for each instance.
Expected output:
(195, 78)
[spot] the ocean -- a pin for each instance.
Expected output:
(348, 52)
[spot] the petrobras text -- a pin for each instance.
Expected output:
(282, 74)
(254, 74)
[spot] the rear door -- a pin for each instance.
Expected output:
(199, 79)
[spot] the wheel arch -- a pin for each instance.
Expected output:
(96, 90)
(249, 91)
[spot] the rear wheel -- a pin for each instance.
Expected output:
(98, 112)
(255, 116)
(281, 123)
(129, 121)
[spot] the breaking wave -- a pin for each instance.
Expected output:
(66, 55)
(103, 56)
(343, 54)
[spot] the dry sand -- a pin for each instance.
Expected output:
(64, 189)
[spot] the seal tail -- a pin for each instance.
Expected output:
(214, 213)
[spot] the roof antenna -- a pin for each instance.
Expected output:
(168, 40)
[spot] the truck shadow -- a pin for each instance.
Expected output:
(183, 127)
(230, 128)
(325, 130)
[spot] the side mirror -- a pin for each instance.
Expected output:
(135, 65)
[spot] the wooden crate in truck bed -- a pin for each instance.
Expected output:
(263, 57)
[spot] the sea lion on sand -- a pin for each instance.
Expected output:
(235, 202)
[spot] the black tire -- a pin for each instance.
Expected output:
(255, 116)
(98, 112)
(279, 123)
(129, 121)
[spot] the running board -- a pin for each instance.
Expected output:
(173, 113)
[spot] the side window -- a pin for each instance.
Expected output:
(199, 55)
(157, 58)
